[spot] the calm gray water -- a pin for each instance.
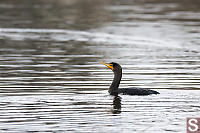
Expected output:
(51, 79)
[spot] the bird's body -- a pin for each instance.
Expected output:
(136, 91)
(114, 87)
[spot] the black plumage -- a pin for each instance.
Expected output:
(114, 87)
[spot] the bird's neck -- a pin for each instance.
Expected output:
(115, 83)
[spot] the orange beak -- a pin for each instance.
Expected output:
(108, 65)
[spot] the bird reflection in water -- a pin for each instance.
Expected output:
(116, 105)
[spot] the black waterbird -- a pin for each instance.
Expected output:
(114, 87)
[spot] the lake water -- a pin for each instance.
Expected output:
(52, 80)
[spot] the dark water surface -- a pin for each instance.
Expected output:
(51, 79)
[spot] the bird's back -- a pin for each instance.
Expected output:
(136, 91)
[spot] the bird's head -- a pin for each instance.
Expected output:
(113, 66)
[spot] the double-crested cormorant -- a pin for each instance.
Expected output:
(114, 90)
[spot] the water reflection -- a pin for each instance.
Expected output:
(116, 105)
(51, 79)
